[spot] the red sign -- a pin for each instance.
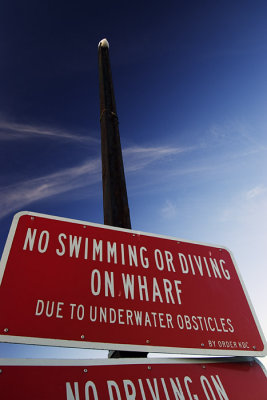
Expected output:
(71, 283)
(132, 379)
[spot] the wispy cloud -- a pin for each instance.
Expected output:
(256, 191)
(239, 133)
(230, 131)
(20, 194)
(137, 158)
(246, 206)
(10, 131)
(169, 210)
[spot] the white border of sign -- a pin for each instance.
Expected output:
(125, 361)
(47, 362)
(126, 347)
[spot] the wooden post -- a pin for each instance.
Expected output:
(115, 200)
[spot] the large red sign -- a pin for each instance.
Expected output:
(132, 379)
(71, 283)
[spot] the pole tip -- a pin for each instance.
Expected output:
(103, 43)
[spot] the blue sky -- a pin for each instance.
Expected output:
(190, 83)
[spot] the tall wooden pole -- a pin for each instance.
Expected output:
(115, 200)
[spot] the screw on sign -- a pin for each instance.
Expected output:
(112, 288)
(133, 379)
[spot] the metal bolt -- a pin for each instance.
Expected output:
(32, 217)
(149, 367)
(254, 347)
(202, 345)
(85, 370)
(82, 336)
(220, 249)
(6, 330)
(204, 366)
(84, 226)
(178, 242)
(0, 371)
(147, 341)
